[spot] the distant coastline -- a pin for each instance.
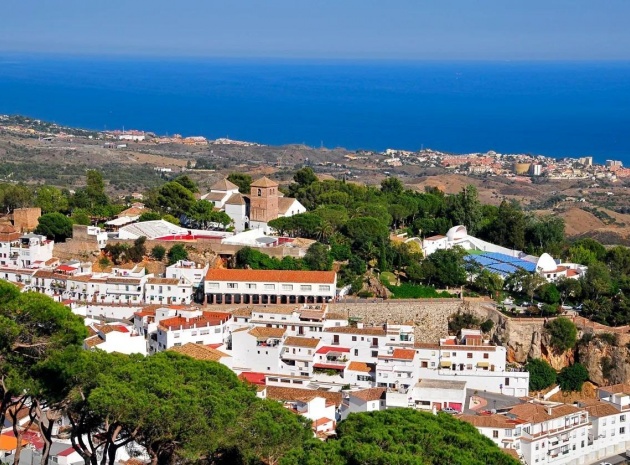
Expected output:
(569, 109)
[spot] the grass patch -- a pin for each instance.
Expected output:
(412, 291)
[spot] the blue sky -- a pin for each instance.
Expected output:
(366, 29)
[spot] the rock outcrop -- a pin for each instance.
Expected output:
(606, 363)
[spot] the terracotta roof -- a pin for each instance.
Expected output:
(267, 332)
(301, 342)
(272, 276)
(133, 281)
(93, 341)
(359, 366)
(404, 354)
(199, 352)
(321, 421)
(214, 196)
(6, 228)
(302, 395)
(312, 314)
(336, 316)
(598, 409)
(275, 310)
(9, 443)
(617, 389)
(511, 452)
(370, 394)
(489, 421)
(131, 211)
(205, 319)
(171, 281)
(372, 331)
(242, 312)
(236, 199)
(84, 278)
(264, 182)
(223, 185)
(536, 413)
(106, 329)
(326, 349)
(284, 203)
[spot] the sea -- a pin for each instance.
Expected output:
(557, 109)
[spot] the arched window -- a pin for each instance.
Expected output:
(259, 192)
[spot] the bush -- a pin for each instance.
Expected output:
(487, 326)
(541, 374)
(158, 252)
(462, 320)
(572, 378)
(55, 226)
(365, 294)
(563, 334)
(177, 253)
(609, 338)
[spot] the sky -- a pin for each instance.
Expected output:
(334, 29)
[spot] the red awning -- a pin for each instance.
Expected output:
(329, 366)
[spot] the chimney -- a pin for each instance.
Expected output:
(359, 325)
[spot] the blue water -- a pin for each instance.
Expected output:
(555, 109)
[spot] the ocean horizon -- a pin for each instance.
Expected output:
(557, 109)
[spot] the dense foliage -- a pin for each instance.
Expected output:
(572, 378)
(562, 333)
(541, 374)
(404, 437)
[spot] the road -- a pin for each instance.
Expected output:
(615, 460)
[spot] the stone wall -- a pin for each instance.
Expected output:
(26, 219)
(430, 316)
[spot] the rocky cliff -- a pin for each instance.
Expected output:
(606, 361)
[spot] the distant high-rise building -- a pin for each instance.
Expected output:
(616, 163)
(586, 161)
(536, 170)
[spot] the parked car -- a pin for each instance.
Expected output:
(508, 301)
(449, 410)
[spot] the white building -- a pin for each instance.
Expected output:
(364, 400)
(115, 338)
(429, 394)
(179, 326)
(474, 360)
(24, 250)
(168, 291)
(268, 286)
(188, 271)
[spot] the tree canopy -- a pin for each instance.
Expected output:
(54, 226)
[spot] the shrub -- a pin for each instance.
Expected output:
(158, 252)
(609, 338)
(563, 334)
(414, 291)
(365, 294)
(461, 320)
(541, 374)
(573, 377)
(177, 253)
(487, 326)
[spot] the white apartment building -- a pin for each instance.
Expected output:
(256, 349)
(296, 355)
(168, 291)
(364, 400)
(187, 271)
(223, 286)
(429, 394)
(179, 326)
(474, 360)
(24, 250)
(554, 433)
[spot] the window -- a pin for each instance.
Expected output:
(232, 285)
(269, 287)
(250, 286)
(259, 192)
(622, 430)
(375, 353)
(469, 355)
(213, 285)
(356, 352)
(622, 418)
(324, 288)
(485, 355)
(354, 338)
(507, 381)
(508, 433)
(177, 344)
(305, 287)
(495, 434)
(287, 287)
